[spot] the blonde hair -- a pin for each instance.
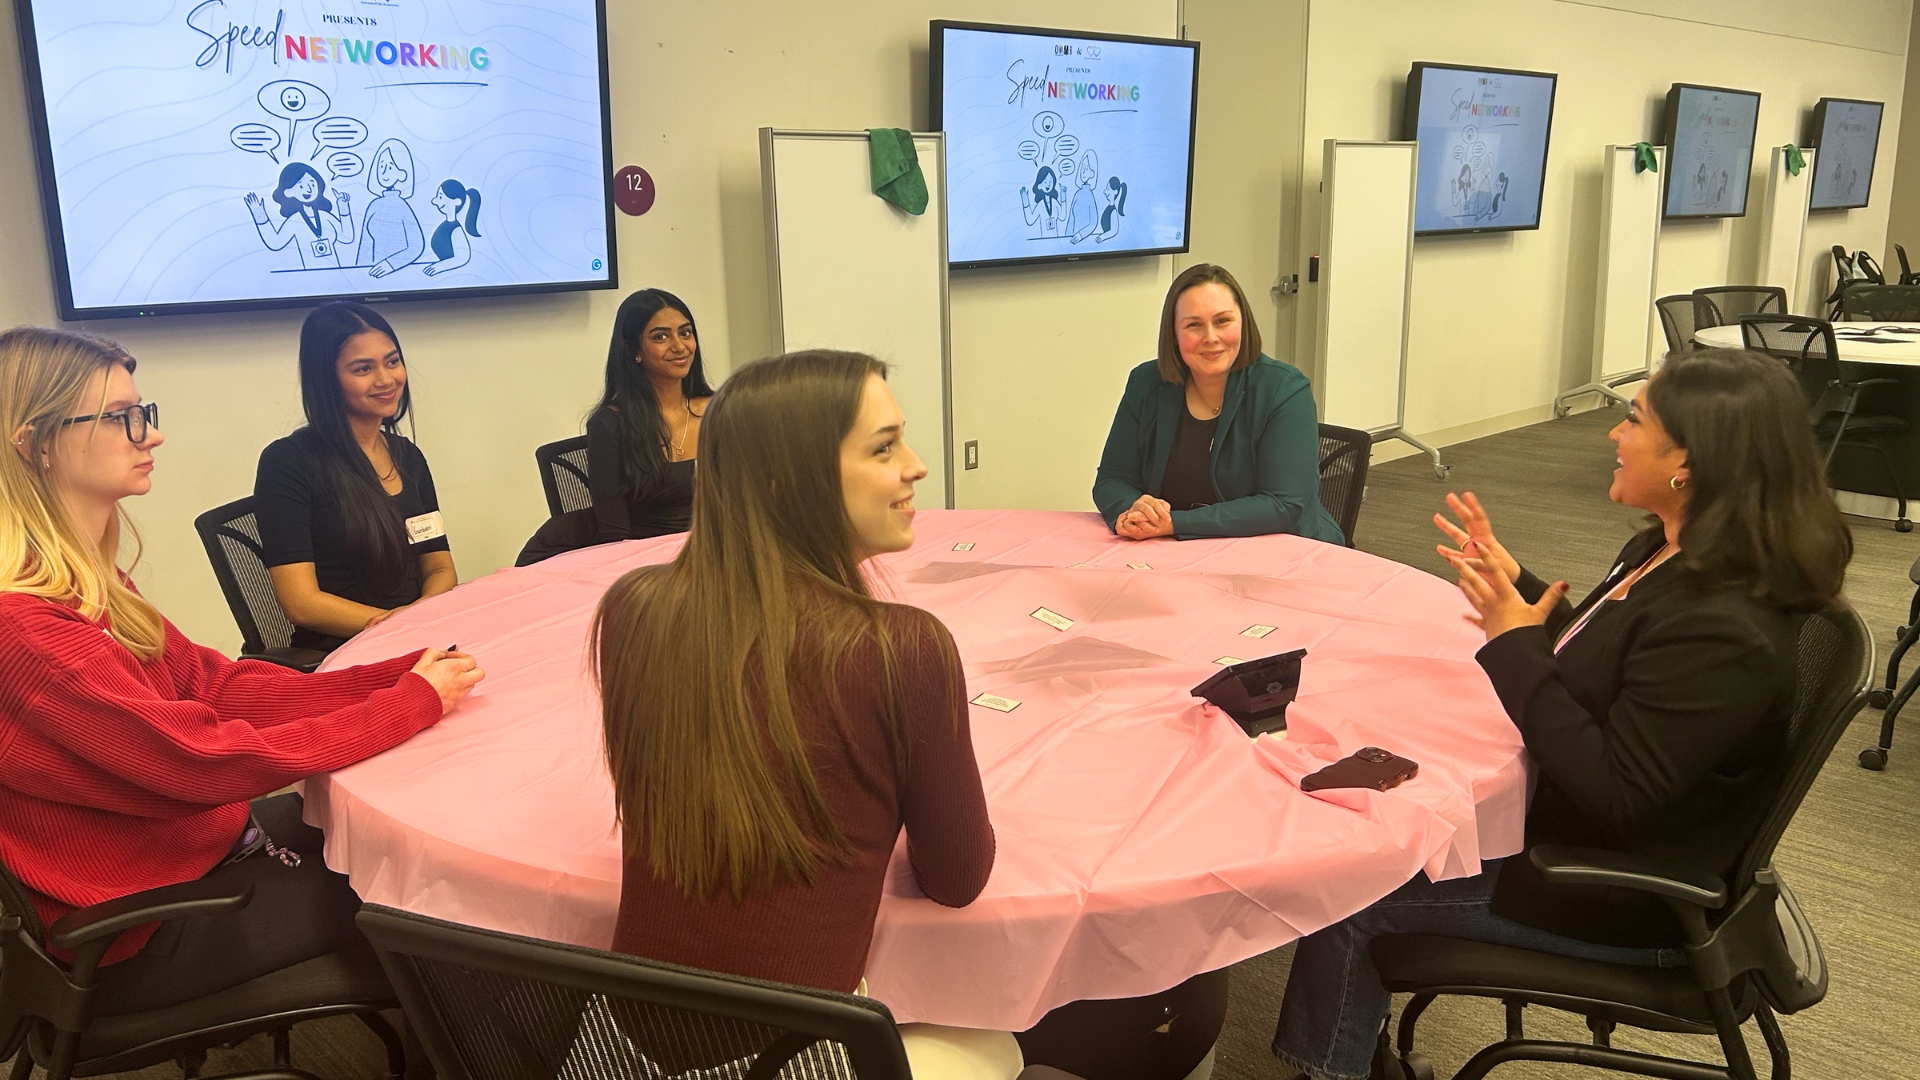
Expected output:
(44, 378)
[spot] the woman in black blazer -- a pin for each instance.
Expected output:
(1656, 711)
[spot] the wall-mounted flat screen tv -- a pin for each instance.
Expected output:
(1846, 136)
(205, 156)
(1483, 146)
(1709, 136)
(1063, 145)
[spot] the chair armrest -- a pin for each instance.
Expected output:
(297, 659)
(1564, 864)
(1859, 384)
(189, 899)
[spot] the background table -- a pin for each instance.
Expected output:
(1142, 838)
(1899, 349)
(1895, 356)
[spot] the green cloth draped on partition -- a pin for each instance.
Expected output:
(1795, 159)
(1643, 159)
(896, 169)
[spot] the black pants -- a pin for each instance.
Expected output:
(297, 914)
(560, 534)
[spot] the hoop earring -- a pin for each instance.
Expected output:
(1676, 483)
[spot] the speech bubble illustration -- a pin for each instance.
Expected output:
(338, 133)
(1029, 150)
(257, 139)
(293, 101)
(1048, 124)
(344, 164)
(1063, 168)
(1066, 146)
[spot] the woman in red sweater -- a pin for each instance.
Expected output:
(770, 725)
(128, 754)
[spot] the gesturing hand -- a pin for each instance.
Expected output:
(1148, 517)
(1498, 606)
(1473, 537)
(451, 674)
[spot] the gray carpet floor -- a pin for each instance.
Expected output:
(1851, 855)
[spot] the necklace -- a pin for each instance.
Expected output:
(679, 444)
(1203, 404)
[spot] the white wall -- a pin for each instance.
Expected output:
(1039, 355)
(1502, 322)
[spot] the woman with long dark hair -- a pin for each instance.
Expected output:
(770, 725)
(643, 435)
(349, 520)
(1655, 712)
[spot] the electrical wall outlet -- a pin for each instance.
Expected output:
(973, 453)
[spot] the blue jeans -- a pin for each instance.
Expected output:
(1334, 1006)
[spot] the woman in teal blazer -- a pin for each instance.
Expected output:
(1213, 438)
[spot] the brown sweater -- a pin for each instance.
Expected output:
(818, 935)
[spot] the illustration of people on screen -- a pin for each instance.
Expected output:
(1042, 203)
(1484, 205)
(451, 248)
(307, 218)
(1462, 191)
(1115, 209)
(390, 233)
(1084, 217)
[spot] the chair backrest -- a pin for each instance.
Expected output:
(1906, 271)
(1833, 665)
(1868, 267)
(493, 1006)
(563, 475)
(1344, 454)
(1805, 344)
(20, 934)
(1722, 305)
(1678, 320)
(1882, 303)
(231, 535)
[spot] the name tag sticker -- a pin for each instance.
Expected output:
(1256, 630)
(1139, 566)
(963, 547)
(1052, 618)
(1228, 661)
(425, 527)
(997, 704)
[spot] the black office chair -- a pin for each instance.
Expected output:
(1677, 319)
(1807, 345)
(563, 475)
(1907, 276)
(1881, 303)
(1723, 305)
(1885, 697)
(493, 1006)
(1344, 455)
(47, 1014)
(1750, 950)
(231, 535)
(1868, 268)
(1846, 274)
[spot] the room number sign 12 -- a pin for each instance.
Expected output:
(633, 190)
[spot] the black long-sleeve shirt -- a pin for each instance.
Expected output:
(1657, 729)
(621, 512)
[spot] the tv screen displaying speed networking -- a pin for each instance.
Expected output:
(201, 155)
(1483, 136)
(1846, 137)
(1063, 145)
(1709, 135)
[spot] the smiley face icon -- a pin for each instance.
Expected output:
(1048, 124)
(293, 99)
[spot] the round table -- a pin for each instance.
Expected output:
(1892, 344)
(1142, 837)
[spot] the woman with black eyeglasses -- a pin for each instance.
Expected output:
(349, 521)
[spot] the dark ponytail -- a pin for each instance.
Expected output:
(376, 536)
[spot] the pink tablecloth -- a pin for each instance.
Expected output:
(1143, 838)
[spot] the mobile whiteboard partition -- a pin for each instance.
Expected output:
(1783, 227)
(1366, 284)
(848, 270)
(1623, 312)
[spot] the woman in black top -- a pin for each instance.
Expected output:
(1656, 712)
(349, 521)
(643, 435)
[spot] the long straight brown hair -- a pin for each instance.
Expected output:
(698, 662)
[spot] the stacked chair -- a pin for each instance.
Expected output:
(1723, 305)
(1881, 303)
